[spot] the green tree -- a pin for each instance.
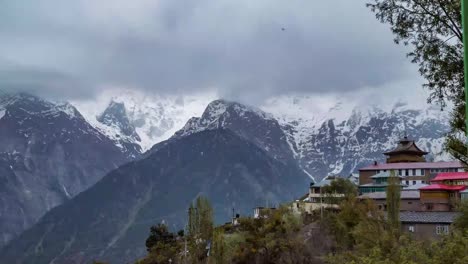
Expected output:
(461, 222)
(393, 202)
(200, 228)
(162, 246)
(337, 187)
(159, 233)
(218, 249)
(432, 28)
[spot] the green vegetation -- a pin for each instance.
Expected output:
(357, 233)
(365, 236)
(393, 202)
(272, 239)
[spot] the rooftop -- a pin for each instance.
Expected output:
(383, 195)
(416, 186)
(384, 174)
(428, 217)
(443, 187)
(451, 176)
(414, 165)
(406, 146)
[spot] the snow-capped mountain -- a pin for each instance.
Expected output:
(48, 154)
(117, 212)
(326, 135)
(155, 118)
(345, 137)
(114, 122)
(337, 142)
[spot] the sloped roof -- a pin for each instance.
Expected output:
(383, 195)
(443, 187)
(406, 146)
(414, 165)
(385, 174)
(451, 176)
(416, 186)
(428, 217)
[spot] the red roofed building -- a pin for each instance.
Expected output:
(444, 192)
(407, 161)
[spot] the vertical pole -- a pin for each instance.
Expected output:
(464, 6)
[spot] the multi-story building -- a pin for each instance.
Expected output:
(407, 161)
(317, 199)
(380, 181)
(444, 193)
(409, 200)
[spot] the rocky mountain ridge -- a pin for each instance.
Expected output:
(111, 220)
(48, 154)
(324, 136)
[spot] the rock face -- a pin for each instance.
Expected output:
(116, 123)
(253, 124)
(48, 154)
(111, 220)
(335, 139)
(341, 148)
(327, 146)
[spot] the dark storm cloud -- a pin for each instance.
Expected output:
(241, 47)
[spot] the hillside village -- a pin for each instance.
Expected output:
(339, 215)
(430, 191)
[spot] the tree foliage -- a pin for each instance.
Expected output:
(432, 28)
(339, 186)
(393, 202)
(200, 228)
(162, 245)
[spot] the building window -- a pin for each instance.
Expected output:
(414, 182)
(429, 207)
(442, 229)
(411, 229)
(399, 173)
(423, 172)
(446, 229)
(406, 172)
(407, 182)
(414, 172)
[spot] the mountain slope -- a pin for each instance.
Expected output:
(253, 124)
(324, 135)
(114, 122)
(327, 145)
(110, 221)
(48, 154)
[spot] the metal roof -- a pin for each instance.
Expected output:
(451, 176)
(428, 217)
(443, 187)
(383, 195)
(416, 186)
(414, 165)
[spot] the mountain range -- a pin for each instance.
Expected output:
(49, 154)
(149, 165)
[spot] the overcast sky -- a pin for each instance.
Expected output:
(240, 48)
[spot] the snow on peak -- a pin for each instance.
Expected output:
(154, 117)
